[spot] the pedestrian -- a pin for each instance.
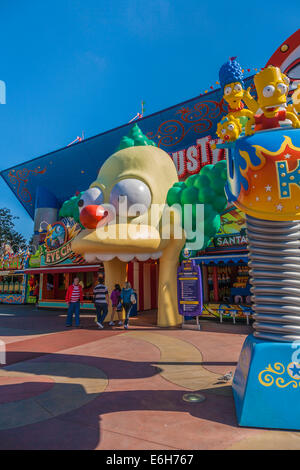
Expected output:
(101, 301)
(36, 292)
(134, 311)
(74, 298)
(115, 298)
(128, 299)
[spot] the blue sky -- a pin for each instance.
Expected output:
(85, 65)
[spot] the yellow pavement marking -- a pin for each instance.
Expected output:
(75, 385)
(180, 363)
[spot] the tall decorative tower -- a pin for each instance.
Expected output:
(264, 182)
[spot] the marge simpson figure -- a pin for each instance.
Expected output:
(271, 86)
(231, 80)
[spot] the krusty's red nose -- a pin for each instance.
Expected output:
(91, 215)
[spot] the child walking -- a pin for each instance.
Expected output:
(115, 298)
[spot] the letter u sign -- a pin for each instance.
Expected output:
(287, 178)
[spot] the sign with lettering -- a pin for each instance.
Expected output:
(232, 232)
(57, 245)
(58, 255)
(189, 289)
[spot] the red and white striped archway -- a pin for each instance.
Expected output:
(143, 277)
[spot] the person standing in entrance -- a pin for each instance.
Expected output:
(127, 298)
(115, 298)
(74, 298)
(101, 301)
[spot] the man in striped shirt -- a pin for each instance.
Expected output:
(74, 298)
(101, 301)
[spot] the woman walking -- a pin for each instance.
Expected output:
(127, 298)
(115, 298)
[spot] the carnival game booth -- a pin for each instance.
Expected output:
(13, 280)
(55, 266)
(225, 272)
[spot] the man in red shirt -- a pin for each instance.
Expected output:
(74, 298)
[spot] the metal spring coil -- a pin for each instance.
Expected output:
(274, 251)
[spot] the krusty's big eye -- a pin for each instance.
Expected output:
(268, 91)
(238, 87)
(282, 88)
(135, 191)
(230, 127)
(91, 197)
(227, 90)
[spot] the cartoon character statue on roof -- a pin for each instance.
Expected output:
(231, 80)
(271, 108)
(229, 130)
(8, 252)
(272, 89)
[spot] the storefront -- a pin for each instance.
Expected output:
(225, 271)
(54, 266)
(13, 280)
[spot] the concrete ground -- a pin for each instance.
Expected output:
(115, 389)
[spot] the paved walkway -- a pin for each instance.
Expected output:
(116, 389)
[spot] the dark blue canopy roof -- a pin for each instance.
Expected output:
(73, 168)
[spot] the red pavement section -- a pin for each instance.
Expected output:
(52, 343)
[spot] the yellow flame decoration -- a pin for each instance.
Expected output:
(249, 164)
(287, 142)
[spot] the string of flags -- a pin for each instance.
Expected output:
(139, 115)
(78, 139)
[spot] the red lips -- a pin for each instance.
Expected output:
(91, 215)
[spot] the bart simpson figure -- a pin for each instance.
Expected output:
(231, 80)
(271, 86)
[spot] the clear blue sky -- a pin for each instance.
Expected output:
(85, 65)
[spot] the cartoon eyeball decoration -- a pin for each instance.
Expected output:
(135, 192)
(229, 129)
(91, 211)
